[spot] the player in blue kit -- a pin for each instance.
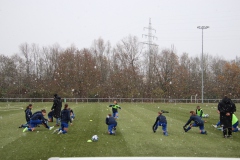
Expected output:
(28, 115)
(36, 119)
(160, 121)
(65, 118)
(112, 124)
(198, 122)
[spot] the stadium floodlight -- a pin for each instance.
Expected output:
(202, 28)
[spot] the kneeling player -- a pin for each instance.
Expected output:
(112, 124)
(65, 118)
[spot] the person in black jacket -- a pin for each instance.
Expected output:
(226, 108)
(65, 118)
(28, 115)
(160, 121)
(112, 124)
(198, 122)
(56, 108)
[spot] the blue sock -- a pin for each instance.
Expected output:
(64, 132)
(188, 128)
(29, 129)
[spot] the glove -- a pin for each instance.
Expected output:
(153, 128)
(184, 128)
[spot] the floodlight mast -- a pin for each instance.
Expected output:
(202, 28)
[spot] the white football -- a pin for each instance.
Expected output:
(94, 138)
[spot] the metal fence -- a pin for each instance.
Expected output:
(120, 100)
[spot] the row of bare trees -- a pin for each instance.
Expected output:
(126, 70)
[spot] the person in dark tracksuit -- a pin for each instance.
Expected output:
(36, 119)
(65, 118)
(226, 108)
(28, 115)
(56, 108)
(198, 122)
(112, 124)
(160, 121)
(115, 108)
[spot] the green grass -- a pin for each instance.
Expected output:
(134, 133)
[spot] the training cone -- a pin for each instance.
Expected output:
(90, 120)
(89, 140)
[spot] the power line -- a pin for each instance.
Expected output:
(150, 36)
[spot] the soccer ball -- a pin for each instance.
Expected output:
(94, 138)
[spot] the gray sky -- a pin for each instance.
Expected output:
(79, 22)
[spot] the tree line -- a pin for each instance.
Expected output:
(127, 70)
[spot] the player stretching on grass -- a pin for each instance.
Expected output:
(36, 119)
(234, 124)
(200, 113)
(65, 118)
(112, 124)
(198, 122)
(161, 121)
(115, 107)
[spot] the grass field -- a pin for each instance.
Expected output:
(134, 137)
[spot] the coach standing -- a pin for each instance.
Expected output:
(56, 108)
(226, 108)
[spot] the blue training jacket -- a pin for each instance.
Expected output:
(37, 115)
(65, 116)
(28, 114)
(110, 120)
(198, 120)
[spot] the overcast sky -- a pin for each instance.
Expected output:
(80, 22)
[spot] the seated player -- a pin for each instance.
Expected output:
(235, 123)
(200, 113)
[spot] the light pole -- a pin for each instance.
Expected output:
(202, 28)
